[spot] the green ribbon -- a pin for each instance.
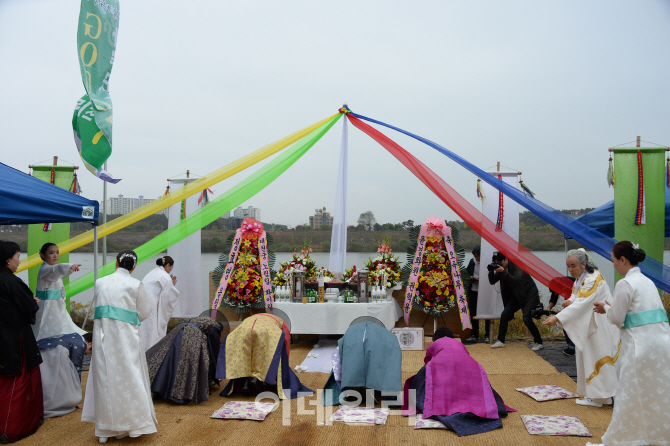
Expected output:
(48, 294)
(225, 203)
(645, 318)
(118, 313)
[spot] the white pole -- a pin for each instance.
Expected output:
(95, 272)
(104, 217)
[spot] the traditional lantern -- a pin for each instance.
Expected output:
(363, 286)
(298, 285)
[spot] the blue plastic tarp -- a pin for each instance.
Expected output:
(602, 219)
(27, 200)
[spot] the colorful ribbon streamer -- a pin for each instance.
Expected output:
(182, 193)
(265, 271)
(480, 190)
(526, 189)
(216, 208)
(204, 197)
(610, 173)
(587, 236)
(512, 249)
(641, 211)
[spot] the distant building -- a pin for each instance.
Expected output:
(320, 217)
(121, 205)
(251, 211)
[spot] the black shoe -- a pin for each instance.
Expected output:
(569, 352)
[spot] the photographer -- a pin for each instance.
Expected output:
(524, 296)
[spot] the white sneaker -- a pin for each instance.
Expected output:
(103, 439)
(498, 344)
(536, 347)
(588, 402)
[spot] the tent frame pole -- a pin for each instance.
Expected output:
(95, 273)
(567, 271)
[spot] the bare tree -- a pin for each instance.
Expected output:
(367, 220)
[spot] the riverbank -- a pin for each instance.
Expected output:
(284, 241)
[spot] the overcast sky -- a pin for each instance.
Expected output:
(545, 87)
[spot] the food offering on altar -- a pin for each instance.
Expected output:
(434, 286)
(383, 272)
(250, 247)
(300, 280)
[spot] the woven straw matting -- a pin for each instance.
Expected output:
(508, 368)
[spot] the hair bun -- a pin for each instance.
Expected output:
(159, 261)
(640, 255)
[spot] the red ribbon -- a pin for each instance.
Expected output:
(52, 181)
(501, 209)
(640, 212)
(501, 241)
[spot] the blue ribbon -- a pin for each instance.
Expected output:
(118, 313)
(645, 318)
(48, 294)
(587, 236)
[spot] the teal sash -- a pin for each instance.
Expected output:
(645, 318)
(118, 313)
(48, 294)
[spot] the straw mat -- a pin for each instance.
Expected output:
(508, 368)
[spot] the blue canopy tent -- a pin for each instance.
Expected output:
(602, 218)
(27, 200)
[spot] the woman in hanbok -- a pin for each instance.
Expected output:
(160, 286)
(453, 389)
(596, 340)
(21, 405)
(641, 409)
(118, 396)
(52, 317)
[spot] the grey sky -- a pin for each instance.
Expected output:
(544, 87)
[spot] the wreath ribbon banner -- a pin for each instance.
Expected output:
(232, 257)
(265, 271)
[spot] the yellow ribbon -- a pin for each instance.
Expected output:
(180, 194)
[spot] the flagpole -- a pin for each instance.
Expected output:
(104, 217)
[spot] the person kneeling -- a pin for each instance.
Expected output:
(255, 355)
(453, 388)
(368, 356)
(62, 360)
(182, 364)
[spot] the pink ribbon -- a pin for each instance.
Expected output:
(265, 272)
(416, 268)
(456, 279)
(230, 266)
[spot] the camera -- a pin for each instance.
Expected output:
(495, 261)
(493, 266)
(539, 311)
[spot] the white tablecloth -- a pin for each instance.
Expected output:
(334, 318)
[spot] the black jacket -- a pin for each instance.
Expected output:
(17, 314)
(515, 282)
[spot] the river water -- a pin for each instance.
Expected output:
(556, 259)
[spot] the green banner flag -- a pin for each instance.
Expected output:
(97, 31)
